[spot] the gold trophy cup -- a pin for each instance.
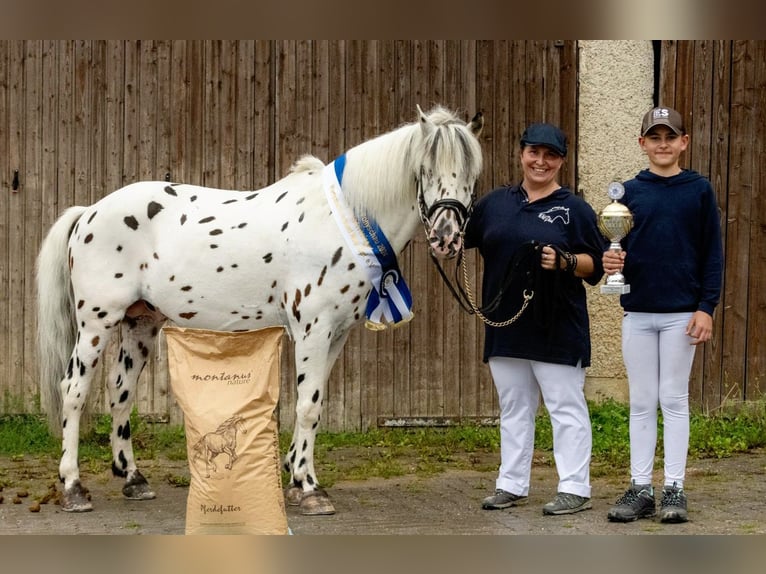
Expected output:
(615, 221)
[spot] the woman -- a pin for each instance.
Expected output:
(539, 237)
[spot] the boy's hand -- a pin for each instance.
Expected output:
(613, 261)
(700, 327)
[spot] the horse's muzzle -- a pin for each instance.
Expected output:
(445, 246)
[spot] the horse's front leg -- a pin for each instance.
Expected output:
(138, 336)
(313, 366)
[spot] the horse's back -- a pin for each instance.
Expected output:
(210, 258)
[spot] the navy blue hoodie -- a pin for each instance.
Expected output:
(674, 257)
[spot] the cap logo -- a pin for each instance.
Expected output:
(661, 113)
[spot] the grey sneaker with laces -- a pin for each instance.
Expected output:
(637, 502)
(673, 504)
(566, 503)
(502, 499)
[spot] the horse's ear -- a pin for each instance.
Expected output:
(425, 124)
(477, 123)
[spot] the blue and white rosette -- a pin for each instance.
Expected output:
(390, 301)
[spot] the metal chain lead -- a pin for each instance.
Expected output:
(527, 298)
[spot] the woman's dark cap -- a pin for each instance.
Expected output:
(546, 135)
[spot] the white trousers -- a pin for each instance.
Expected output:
(658, 357)
(519, 383)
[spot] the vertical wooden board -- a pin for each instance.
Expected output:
(179, 113)
(565, 70)
(320, 96)
(403, 107)
(368, 382)
(738, 226)
(418, 278)
(226, 91)
(156, 369)
(388, 362)
(352, 359)
(211, 114)
(452, 345)
(82, 121)
(263, 103)
(6, 179)
(668, 67)
(432, 346)
(163, 118)
(719, 151)
(147, 110)
(485, 399)
(16, 102)
(699, 126)
(284, 127)
(30, 232)
(115, 103)
(467, 332)
(536, 95)
(244, 80)
(684, 95)
(336, 81)
(756, 340)
(195, 102)
(519, 118)
(131, 132)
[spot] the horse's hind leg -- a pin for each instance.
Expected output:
(137, 339)
(92, 338)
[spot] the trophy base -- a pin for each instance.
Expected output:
(615, 289)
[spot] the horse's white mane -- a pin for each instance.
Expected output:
(393, 160)
(306, 163)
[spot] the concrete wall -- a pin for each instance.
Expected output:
(616, 84)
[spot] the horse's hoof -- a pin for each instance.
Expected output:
(293, 495)
(137, 488)
(76, 499)
(316, 503)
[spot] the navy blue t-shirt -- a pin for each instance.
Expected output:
(501, 223)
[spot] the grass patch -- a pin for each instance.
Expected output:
(391, 452)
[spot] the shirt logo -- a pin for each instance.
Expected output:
(554, 213)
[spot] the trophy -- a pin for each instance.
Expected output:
(615, 221)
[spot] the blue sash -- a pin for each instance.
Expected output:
(390, 301)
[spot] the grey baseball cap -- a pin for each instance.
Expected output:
(662, 116)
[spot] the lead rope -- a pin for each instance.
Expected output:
(528, 294)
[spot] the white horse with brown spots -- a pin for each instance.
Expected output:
(286, 255)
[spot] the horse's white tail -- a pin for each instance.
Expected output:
(56, 329)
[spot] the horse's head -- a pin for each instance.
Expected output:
(451, 164)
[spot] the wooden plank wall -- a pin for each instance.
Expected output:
(720, 88)
(78, 119)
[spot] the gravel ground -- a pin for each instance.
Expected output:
(726, 496)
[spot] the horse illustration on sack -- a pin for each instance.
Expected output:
(222, 440)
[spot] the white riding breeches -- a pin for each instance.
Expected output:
(519, 383)
(658, 357)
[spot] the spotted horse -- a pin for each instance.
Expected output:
(241, 260)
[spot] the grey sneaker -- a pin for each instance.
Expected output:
(566, 503)
(673, 504)
(502, 499)
(637, 502)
